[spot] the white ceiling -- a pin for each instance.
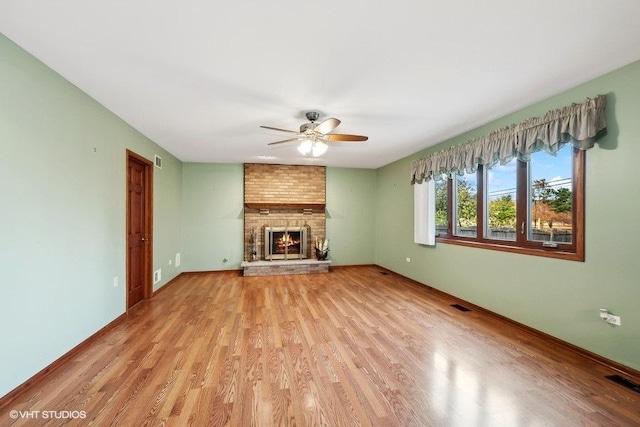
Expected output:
(199, 77)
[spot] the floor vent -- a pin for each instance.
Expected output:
(384, 273)
(624, 382)
(460, 307)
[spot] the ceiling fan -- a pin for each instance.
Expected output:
(314, 137)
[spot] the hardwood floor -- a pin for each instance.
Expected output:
(354, 347)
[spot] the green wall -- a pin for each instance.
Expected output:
(351, 203)
(212, 214)
(558, 297)
(212, 228)
(62, 220)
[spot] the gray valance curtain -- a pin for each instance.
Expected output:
(577, 124)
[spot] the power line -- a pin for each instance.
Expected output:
(564, 182)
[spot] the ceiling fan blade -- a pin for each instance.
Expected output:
(283, 141)
(278, 129)
(346, 138)
(327, 126)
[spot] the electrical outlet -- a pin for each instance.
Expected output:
(157, 276)
(408, 259)
(115, 281)
(614, 320)
(178, 259)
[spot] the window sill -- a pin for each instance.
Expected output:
(541, 252)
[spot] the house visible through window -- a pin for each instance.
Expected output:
(551, 197)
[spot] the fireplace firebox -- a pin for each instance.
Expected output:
(285, 243)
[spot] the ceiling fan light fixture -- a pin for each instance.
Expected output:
(319, 148)
(305, 147)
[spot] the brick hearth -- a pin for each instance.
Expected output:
(277, 268)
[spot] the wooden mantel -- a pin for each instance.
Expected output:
(286, 206)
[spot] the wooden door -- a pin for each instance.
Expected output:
(139, 215)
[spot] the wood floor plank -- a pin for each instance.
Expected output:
(350, 348)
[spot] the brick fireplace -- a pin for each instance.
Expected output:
(284, 198)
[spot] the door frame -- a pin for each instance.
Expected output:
(147, 273)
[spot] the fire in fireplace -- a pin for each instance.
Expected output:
(285, 243)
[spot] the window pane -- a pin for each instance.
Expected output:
(500, 216)
(441, 206)
(466, 190)
(550, 188)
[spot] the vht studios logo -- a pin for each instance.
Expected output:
(57, 415)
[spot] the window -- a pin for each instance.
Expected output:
(550, 205)
(500, 201)
(442, 209)
(533, 207)
(466, 205)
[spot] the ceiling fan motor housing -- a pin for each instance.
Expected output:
(312, 116)
(307, 126)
